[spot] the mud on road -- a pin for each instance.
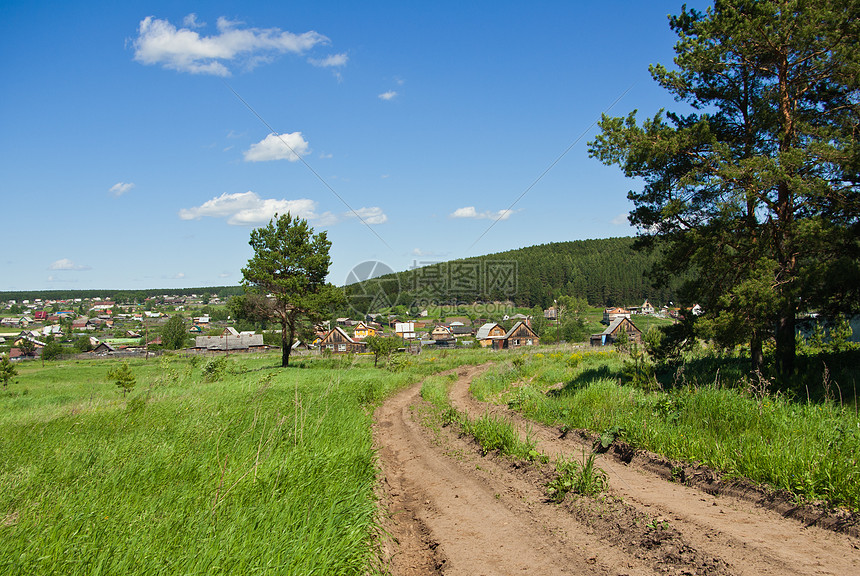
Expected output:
(448, 510)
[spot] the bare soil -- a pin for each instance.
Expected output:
(449, 510)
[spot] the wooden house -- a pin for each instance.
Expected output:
(612, 314)
(441, 332)
(241, 341)
(103, 349)
(461, 331)
(488, 333)
(363, 330)
(520, 335)
(610, 335)
(338, 342)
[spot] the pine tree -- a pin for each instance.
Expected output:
(755, 191)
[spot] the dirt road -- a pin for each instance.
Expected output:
(451, 511)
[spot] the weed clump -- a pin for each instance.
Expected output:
(584, 478)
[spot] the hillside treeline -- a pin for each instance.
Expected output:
(121, 296)
(606, 272)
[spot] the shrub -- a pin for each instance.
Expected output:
(7, 371)
(217, 368)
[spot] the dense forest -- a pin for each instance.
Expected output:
(606, 272)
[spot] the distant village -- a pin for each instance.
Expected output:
(101, 327)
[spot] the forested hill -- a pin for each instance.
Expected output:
(606, 272)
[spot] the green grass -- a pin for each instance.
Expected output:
(810, 449)
(263, 471)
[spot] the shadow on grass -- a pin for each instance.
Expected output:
(586, 377)
(831, 376)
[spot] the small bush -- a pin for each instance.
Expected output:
(217, 368)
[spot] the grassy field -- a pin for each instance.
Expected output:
(206, 467)
(740, 427)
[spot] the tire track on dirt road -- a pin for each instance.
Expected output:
(453, 512)
(751, 539)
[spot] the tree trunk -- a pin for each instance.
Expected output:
(286, 343)
(785, 340)
(756, 354)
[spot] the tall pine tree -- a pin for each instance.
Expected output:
(756, 191)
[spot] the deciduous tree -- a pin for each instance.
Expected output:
(174, 333)
(382, 346)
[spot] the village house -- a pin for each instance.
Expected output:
(493, 335)
(405, 330)
(338, 342)
(363, 330)
(610, 335)
(227, 342)
(460, 330)
(488, 333)
(103, 349)
(441, 333)
(612, 314)
(520, 335)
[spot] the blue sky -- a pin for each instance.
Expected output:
(127, 160)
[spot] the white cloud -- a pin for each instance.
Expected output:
(246, 209)
(224, 275)
(326, 156)
(66, 264)
(390, 95)
(372, 215)
(332, 61)
(190, 21)
(184, 50)
(278, 147)
(620, 220)
(471, 212)
(120, 188)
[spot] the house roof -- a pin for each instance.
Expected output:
(615, 324)
(510, 332)
(617, 310)
(344, 334)
(484, 331)
(240, 342)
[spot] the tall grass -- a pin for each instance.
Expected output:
(259, 471)
(810, 449)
